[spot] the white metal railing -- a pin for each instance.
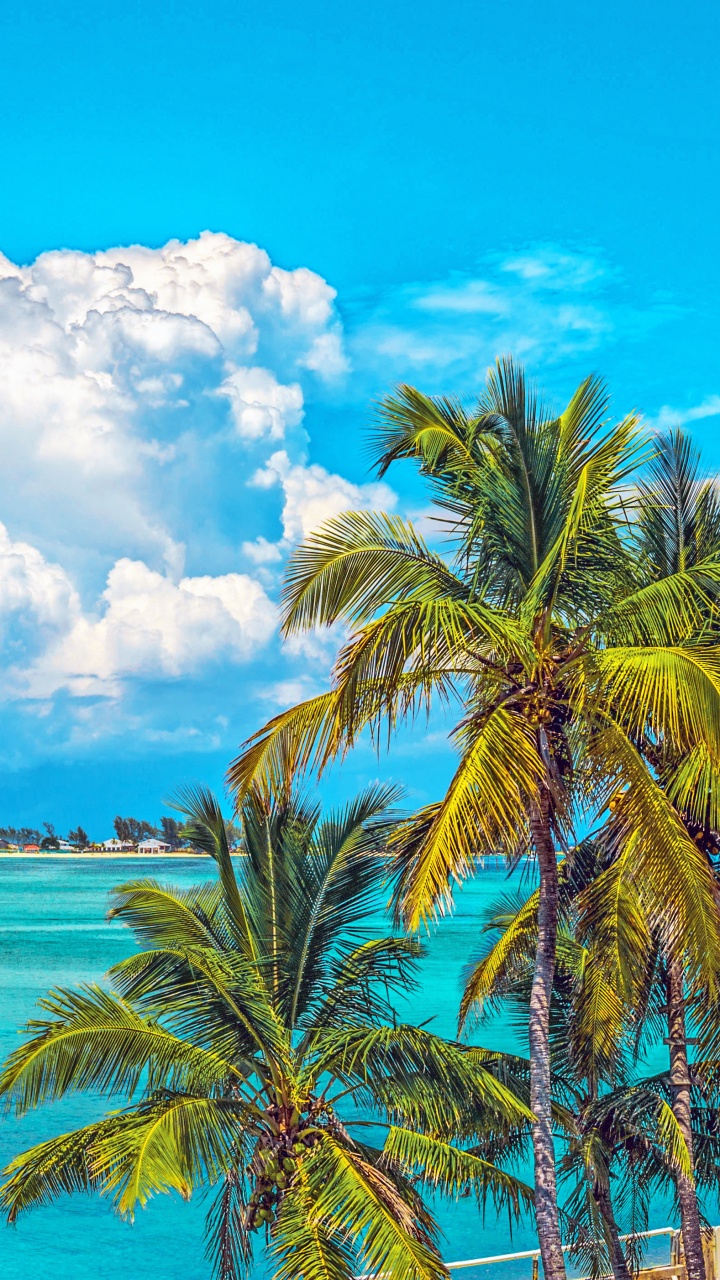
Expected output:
(674, 1232)
(535, 1253)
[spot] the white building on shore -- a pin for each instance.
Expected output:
(152, 846)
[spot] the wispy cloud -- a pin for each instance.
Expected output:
(668, 416)
(546, 305)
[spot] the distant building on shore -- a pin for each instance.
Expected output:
(152, 846)
(31, 848)
(116, 846)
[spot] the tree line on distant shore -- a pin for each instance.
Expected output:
(48, 838)
(127, 830)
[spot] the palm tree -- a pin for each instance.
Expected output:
(254, 1041)
(556, 656)
(618, 1128)
(677, 528)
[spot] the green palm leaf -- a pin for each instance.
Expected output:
(495, 785)
(94, 1040)
(358, 563)
(453, 1171)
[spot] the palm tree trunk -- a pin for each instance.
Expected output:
(680, 1085)
(546, 1210)
(618, 1261)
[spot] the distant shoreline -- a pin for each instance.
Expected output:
(101, 857)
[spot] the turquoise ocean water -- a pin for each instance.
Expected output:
(53, 932)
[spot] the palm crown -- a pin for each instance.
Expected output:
(255, 1041)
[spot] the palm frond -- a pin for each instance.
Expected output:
(229, 1245)
(357, 563)
(57, 1167)
(487, 803)
(382, 1215)
(302, 738)
(663, 612)
(677, 512)
(434, 431)
(452, 1170)
(217, 1001)
(174, 1143)
(670, 875)
(94, 1040)
(403, 1066)
(307, 1243)
(694, 788)
(599, 1023)
(206, 829)
(161, 915)
(505, 961)
(333, 889)
(361, 983)
(670, 694)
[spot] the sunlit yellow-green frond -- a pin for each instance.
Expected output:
(159, 914)
(671, 694)
(509, 956)
(305, 1243)
(455, 1171)
(384, 1222)
(611, 913)
(671, 876)
(436, 633)
(599, 1021)
(294, 741)
(176, 1144)
(694, 788)
(57, 1167)
(94, 1040)
(673, 1140)
(307, 737)
(669, 611)
(485, 809)
(435, 431)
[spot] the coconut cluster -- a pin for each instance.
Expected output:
(275, 1163)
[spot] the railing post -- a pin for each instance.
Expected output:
(716, 1253)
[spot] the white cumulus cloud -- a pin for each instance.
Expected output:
(312, 494)
(32, 589)
(153, 627)
(262, 406)
(139, 389)
(127, 374)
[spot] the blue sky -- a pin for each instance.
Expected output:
(427, 186)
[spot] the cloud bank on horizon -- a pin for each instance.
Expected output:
(157, 468)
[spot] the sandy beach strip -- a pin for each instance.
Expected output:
(102, 857)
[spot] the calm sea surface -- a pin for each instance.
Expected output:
(53, 932)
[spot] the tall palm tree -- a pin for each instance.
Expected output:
(555, 655)
(620, 1133)
(676, 529)
(254, 1041)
